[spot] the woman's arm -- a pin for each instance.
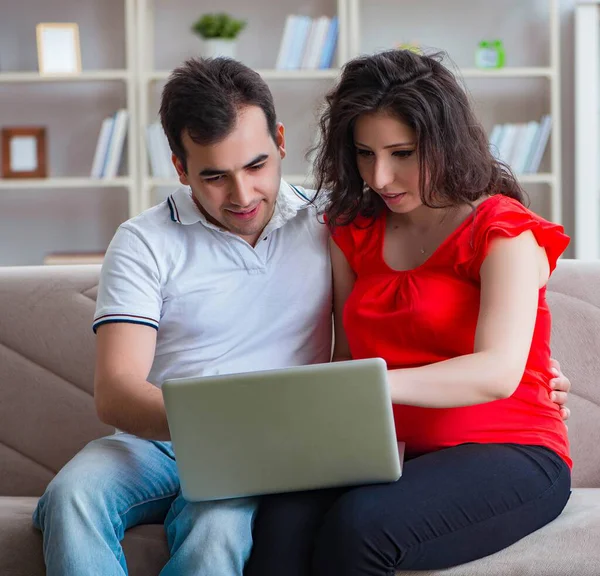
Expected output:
(511, 277)
(343, 282)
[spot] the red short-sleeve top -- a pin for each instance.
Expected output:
(429, 314)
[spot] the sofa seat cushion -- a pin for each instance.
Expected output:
(569, 545)
(21, 544)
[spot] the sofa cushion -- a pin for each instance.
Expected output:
(21, 551)
(565, 546)
(555, 550)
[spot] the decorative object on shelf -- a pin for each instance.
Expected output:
(490, 54)
(521, 146)
(219, 33)
(59, 52)
(307, 43)
(412, 46)
(24, 152)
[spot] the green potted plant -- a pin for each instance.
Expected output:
(219, 33)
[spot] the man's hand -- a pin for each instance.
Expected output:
(561, 386)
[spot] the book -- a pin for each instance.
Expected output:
(159, 152)
(539, 145)
(117, 140)
(102, 148)
(301, 31)
(524, 144)
(315, 43)
(329, 45)
(286, 42)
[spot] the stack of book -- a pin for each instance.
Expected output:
(521, 146)
(159, 152)
(109, 148)
(307, 43)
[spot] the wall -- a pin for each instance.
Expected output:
(35, 222)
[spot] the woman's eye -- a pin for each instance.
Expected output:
(362, 152)
(404, 153)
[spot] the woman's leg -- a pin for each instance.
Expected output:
(284, 531)
(449, 507)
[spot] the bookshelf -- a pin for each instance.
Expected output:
(85, 76)
(292, 88)
(97, 79)
(360, 16)
(587, 130)
(157, 38)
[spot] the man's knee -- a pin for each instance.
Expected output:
(222, 524)
(76, 489)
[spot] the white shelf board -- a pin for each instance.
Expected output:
(86, 76)
(48, 183)
(506, 72)
(540, 178)
(267, 74)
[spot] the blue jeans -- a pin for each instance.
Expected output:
(121, 481)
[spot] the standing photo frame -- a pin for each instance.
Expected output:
(59, 51)
(24, 152)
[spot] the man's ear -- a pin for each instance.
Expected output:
(280, 139)
(180, 170)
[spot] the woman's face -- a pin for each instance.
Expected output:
(387, 160)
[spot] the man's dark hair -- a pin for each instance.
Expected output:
(203, 97)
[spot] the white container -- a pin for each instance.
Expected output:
(214, 47)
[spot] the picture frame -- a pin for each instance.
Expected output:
(24, 152)
(59, 50)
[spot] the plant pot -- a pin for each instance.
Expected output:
(214, 47)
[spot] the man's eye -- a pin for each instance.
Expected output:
(215, 178)
(257, 167)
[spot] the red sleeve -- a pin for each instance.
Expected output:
(508, 219)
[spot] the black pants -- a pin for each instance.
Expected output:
(449, 507)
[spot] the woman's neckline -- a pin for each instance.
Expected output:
(443, 244)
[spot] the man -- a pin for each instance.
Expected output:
(231, 276)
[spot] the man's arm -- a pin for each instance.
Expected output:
(124, 398)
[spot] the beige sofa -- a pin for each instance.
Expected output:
(47, 414)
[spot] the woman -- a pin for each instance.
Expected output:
(440, 270)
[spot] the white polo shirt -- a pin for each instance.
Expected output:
(221, 306)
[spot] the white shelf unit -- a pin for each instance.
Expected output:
(587, 130)
(550, 73)
(85, 76)
(127, 76)
(56, 183)
(149, 78)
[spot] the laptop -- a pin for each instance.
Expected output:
(301, 428)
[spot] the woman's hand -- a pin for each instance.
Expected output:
(561, 386)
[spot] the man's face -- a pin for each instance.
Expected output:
(235, 182)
